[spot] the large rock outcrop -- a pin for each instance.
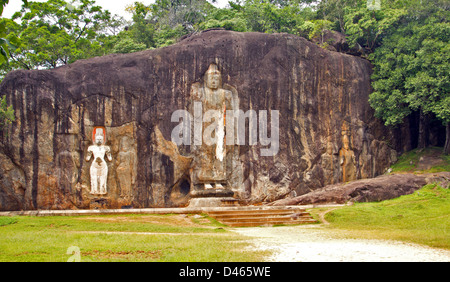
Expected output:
(327, 131)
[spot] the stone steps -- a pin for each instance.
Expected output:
(262, 217)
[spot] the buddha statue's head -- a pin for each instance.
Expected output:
(213, 77)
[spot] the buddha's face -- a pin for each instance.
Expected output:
(345, 142)
(213, 79)
(99, 140)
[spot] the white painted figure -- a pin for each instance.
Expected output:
(99, 168)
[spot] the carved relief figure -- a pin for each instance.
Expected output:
(68, 162)
(347, 160)
(99, 168)
(126, 166)
(365, 158)
(211, 150)
(330, 162)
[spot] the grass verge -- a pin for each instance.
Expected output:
(411, 162)
(421, 217)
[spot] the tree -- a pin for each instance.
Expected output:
(56, 32)
(260, 16)
(334, 11)
(411, 70)
(318, 29)
(5, 44)
(229, 19)
(184, 13)
(128, 45)
(142, 31)
(6, 115)
(366, 28)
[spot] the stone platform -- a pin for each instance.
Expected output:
(212, 197)
(263, 217)
(239, 216)
(213, 202)
(186, 210)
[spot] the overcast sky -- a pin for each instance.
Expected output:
(114, 6)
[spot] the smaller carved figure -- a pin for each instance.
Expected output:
(99, 168)
(126, 166)
(330, 162)
(347, 160)
(68, 162)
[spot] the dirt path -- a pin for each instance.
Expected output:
(311, 243)
(322, 216)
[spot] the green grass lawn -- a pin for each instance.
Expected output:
(422, 217)
(120, 238)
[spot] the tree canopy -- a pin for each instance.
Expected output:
(412, 67)
(53, 33)
(407, 41)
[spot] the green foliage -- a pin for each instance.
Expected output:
(184, 13)
(412, 66)
(141, 32)
(229, 19)
(366, 27)
(162, 23)
(317, 28)
(6, 114)
(57, 32)
(409, 162)
(407, 41)
(269, 17)
(128, 45)
(166, 21)
(5, 44)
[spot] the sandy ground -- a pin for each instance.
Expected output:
(311, 243)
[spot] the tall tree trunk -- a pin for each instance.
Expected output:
(447, 140)
(423, 130)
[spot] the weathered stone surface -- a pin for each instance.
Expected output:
(381, 188)
(321, 97)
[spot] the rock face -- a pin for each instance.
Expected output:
(381, 188)
(326, 130)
